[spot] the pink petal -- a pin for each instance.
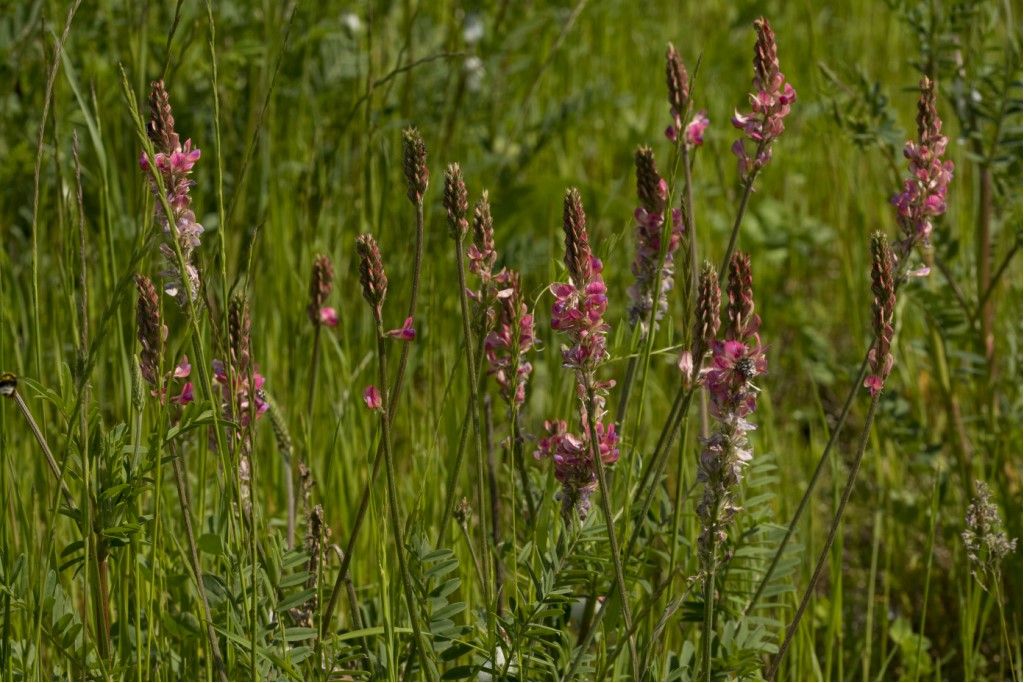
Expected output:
(371, 397)
(183, 369)
(328, 316)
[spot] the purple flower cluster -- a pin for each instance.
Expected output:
(770, 103)
(574, 464)
(736, 361)
(173, 162)
(512, 337)
(924, 192)
(652, 191)
(578, 312)
(238, 388)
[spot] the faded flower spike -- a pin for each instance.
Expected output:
(882, 308)
(652, 191)
(678, 81)
(371, 272)
(924, 193)
(173, 162)
(414, 164)
(320, 285)
(984, 537)
(770, 103)
(456, 201)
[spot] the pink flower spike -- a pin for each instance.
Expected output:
(371, 397)
(328, 316)
(874, 384)
(406, 332)
(182, 369)
(186, 395)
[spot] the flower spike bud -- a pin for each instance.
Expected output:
(371, 272)
(678, 81)
(414, 164)
(150, 331)
(577, 243)
(742, 322)
(483, 254)
(456, 201)
(882, 309)
(160, 127)
(709, 303)
(320, 285)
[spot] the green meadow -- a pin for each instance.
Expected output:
(259, 515)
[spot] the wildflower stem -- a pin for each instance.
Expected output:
(709, 592)
(392, 504)
(833, 530)
(933, 510)
(392, 406)
(805, 499)
(474, 396)
(314, 367)
(520, 461)
(453, 474)
(820, 467)
(679, 409)
(197, 569)
(748, 187)
(606, 507)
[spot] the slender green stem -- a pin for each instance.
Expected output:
(677, 413)
(933, 510)
(474, 397)
(809, 490)
(609, 518)
(819, 468)
(394, 515)
(197, 568)
(709, 594)
(396, 391)
(748, 187)
(833, 530)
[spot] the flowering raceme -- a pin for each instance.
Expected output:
(736, 361)
(173, 162)
(578, 312)
(512, 337)
(770, 103)
(652, 191)
(924, 192)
